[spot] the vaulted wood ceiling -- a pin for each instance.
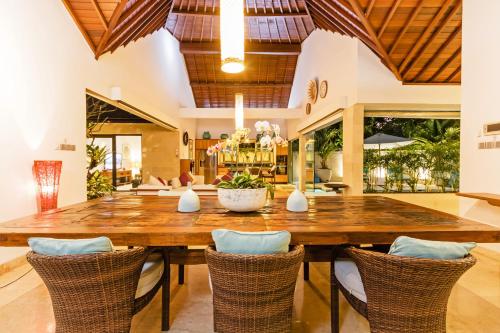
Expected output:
(418, 40)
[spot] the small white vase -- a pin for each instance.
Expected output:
(189, 201)
(297, 201)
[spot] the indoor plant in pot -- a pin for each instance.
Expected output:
(244, 193)
(326, 141)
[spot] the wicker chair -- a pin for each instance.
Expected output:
(95, 292)
(253, 293)
(403, 294)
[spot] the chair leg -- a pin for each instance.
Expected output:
(181, 275)
(334, 300)
(165, 293)
(306, 271)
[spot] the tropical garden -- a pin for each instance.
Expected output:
(427, 162)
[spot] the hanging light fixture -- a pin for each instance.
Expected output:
(238, 111)
(232, 35)
(47, 175)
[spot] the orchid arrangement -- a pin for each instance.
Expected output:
(269, 135)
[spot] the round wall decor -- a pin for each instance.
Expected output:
(312, 91)
(308, 108)
(323, 89)
(185, 138)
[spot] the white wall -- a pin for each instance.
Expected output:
(355, 75)
(325, 56)
(480, 169)
(46, 67)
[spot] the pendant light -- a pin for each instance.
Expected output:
(238, 111)
(232, 35)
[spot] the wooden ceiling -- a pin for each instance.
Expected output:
(418, 40)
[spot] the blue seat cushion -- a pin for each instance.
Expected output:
(418, 248)
(238, 242)
(61, 247)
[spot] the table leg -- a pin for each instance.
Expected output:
(181, 275)
(306, 271)
(334, 297)
(165, 299)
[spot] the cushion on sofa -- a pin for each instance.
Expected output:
(155, 181)
(185, 178)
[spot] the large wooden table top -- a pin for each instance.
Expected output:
(153, 220)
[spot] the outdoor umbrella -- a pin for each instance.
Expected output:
(385, 141)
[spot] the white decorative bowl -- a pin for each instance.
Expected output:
(242, 200)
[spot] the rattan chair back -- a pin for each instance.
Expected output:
(405, 294)
(92, 292)
(253, 293)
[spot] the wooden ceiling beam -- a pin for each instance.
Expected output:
(388, 18)
(445, 64)
(154, 10)
(131, 11)
(225, 85)
(111, 26)
(369, 8)
(343, 17)
(100, 14)
(433, 37)
(407, 25)
(80, 26)
(154, 24)
(328, 23)
(250, 48)
(454, 74)
(131, 23)
(442, 48)
(357, 9)
(260, 13)
(423, 37)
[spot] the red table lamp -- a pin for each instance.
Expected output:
(47, 175)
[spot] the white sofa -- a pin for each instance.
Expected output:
(199, 187)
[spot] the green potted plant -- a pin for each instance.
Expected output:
(326, 141)
(244, 193)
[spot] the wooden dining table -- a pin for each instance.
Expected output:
(154, 221)
(134, 220)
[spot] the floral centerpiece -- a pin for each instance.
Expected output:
(245, 192)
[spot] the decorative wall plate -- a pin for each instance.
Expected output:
(308, 108)
(312, 91)
(323, 89)
(185, 138)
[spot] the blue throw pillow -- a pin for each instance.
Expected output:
(61, 247)
(418, 248)
(238, 242)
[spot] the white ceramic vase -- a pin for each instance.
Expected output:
(242, 200)
(189, 201)
(297, 201)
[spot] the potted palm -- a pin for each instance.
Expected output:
(326, 141)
